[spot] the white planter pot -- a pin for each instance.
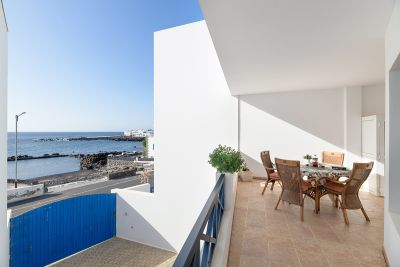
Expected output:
(246, 176)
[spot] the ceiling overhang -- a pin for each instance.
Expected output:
(285, 45)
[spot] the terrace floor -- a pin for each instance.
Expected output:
(117, 252)
(262, 236)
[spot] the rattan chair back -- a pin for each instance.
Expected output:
(334, 158)
(358, 176)
(289, 171)
(266, 161)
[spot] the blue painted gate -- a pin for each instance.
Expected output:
(57, 230)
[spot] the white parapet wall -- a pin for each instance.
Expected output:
(190, 96)
(25, 192)
(221, 251)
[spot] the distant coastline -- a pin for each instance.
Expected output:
(52, 153)
(121, 138)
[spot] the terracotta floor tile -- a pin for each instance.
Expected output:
(246, 261)
(263, 236)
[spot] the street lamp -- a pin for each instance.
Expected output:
(16, 148)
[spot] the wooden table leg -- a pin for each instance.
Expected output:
(317, 197)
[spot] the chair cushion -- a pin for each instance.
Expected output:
(274, 176)
(305, 186)
(334, 187)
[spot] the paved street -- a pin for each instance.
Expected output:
(96, 188)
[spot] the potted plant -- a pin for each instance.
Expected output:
(245, 174)
(308, 158)
(226, 160)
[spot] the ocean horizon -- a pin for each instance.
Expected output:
(32, 144)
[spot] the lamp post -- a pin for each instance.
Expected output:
(16, 148)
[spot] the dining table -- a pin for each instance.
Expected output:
(316, 176)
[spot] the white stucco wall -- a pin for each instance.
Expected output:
(373, 100)
(190, 97)
(352, 125)
(3, 140)
(292, 124)
(150, 146)
(392, 148)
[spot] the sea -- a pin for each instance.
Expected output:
(32, 144)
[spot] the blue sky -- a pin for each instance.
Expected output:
(86, 65)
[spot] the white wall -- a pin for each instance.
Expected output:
(373, 100)
(352, 125)
(392, 149)
(292, 124)
(190, 97)
(3, 140)
(150, 146)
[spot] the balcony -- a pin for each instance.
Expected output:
(119, 252)
(262, 236)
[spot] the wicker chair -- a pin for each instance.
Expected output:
(272, 175)
(334, 158)
(348, 190)
(294, 188)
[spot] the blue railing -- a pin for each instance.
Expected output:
(193, 252)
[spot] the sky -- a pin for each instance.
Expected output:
(86, 65)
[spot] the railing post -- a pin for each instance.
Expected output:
(211, 216)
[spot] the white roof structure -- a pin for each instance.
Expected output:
(271, 46)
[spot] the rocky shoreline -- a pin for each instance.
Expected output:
(58, 155)
(45, 156)
(107, 138)
(93, 166)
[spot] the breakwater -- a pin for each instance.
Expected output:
(45, 156)
(58, 155)
(93, 138)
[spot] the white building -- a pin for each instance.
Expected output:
(127, 133)
(294, 77)
(139, 133)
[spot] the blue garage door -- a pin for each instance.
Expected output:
(55, 231)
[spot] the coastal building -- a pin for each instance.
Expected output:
(293, 77)
(139, 133)
(127, 133)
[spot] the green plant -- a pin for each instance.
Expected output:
(245, 168)
(307, 157)
(226, 159)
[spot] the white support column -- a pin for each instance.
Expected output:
(4, 240)
(352, 124)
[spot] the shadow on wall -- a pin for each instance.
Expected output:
(292, 124)
(318, 112)
(127, 227)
